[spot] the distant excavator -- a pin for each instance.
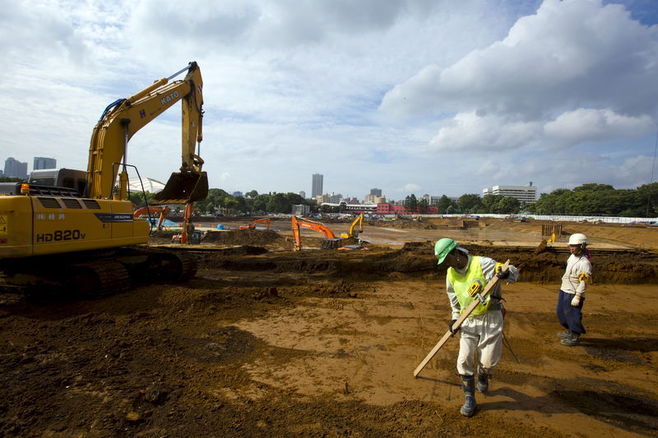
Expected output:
(354, 232)
(252, 225)
(330, 241)
(162, 210)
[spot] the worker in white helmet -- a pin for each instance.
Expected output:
(572, 291)
(481, 341)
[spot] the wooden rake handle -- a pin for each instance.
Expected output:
(494, 280)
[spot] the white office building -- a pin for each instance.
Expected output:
(527, 194)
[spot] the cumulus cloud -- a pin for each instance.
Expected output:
(399, 89)
(588, 125)
(575, 62)
(410, 188)
(468, 131)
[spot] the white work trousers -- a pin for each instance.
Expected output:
(481, 341)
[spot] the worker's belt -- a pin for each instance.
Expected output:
(495, 305)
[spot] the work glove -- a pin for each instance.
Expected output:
(450, 324)
(500, 273)
(575, 301)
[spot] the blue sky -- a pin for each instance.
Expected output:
(410, 96)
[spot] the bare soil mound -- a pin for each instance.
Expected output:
(270, 342)
(242, 237)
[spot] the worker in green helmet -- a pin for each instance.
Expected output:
(481, 340)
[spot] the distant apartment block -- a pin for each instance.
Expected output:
(302, 194)
(374, 199)
(431, 199)
(316, 188)
(527, 194)
(15, 168)
(44, 163)
(376, 192)
(301, 210)
(336, 198)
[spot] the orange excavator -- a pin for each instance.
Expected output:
(252, 226)
(330, 241)
(162, 210)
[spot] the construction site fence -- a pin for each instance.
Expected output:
(593, 219)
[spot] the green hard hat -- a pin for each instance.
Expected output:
(442, 248)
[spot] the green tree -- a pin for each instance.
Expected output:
(470, 203)
(422, 205)
(508, 205)
(278, 204)
(593, 187)
(444, 203)
(411, 203)
(137, 198)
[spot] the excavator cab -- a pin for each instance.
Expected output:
(184, 187)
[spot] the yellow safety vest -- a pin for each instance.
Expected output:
(462, 283)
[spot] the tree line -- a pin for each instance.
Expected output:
(221, 202)
(584, 200)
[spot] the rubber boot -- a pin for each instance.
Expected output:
(468, 384)
(565, 334)
(482, 384)
(572, 340)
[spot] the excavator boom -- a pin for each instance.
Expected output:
(252, 225)
(330, 239)
(354, 233)
(124, 117)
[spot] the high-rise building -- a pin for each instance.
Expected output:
(527, 194)
(376, 192)
(316, 188)
(302, 193)
(15, 168)
(44, 163)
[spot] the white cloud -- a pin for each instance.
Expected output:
(588, 66)
(294, 87)
(589, 125)
(468, 131)
(410, 188)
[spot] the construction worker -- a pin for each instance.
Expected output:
(481, 341)
(572, 291)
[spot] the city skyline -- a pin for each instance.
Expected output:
(316, 179)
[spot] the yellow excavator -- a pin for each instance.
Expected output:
(354, 231)
(77, 229)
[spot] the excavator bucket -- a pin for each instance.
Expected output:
(184, 187)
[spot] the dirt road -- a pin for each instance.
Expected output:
(269, 342)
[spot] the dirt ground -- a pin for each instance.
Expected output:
(270, 342)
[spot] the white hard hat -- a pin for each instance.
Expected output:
(578, 239)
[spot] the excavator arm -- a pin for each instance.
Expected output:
(298, 223)
(153, 209)
(123, 118)
(252, 226)
(353, 231)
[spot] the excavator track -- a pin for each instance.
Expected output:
(171, 266)
(99, 278)
(91, 275)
